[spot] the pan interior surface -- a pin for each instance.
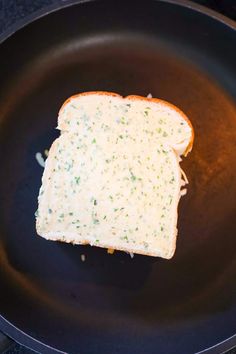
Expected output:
(112, 303)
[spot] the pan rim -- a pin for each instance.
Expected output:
(9, 328)
(53, 8)
(25, 339)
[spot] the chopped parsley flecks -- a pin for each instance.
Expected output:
(122, 120)
(125, 238)
(133, 179)
(68, 166)
(77, 180)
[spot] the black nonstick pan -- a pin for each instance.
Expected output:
(52, 301)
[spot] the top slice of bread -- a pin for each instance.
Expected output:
(112, 179)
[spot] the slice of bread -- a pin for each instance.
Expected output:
(112, 179)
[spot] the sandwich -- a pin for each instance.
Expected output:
(112, 178)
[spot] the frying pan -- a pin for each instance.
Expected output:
(50, 300)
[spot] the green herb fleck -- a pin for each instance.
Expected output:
(94, 141)
(122, 120)
(133, 177)
(69, 166)
(125, 238)
(77, 180)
